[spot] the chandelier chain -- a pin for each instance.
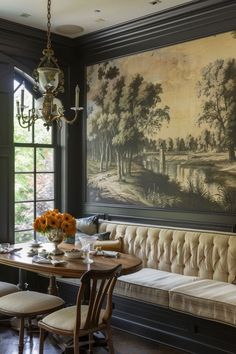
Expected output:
(49, 25)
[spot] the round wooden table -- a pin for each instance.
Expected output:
(70, 268)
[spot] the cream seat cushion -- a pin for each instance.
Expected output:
(29, 302)
(210, 299)
(7, 288)
(65, 318)
(150, 285)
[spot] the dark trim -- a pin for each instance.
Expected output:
(179, 330)
(182, 23)
(173, 222)
(164, 217)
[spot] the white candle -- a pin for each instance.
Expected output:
(18, 107)
(77, 96)
(22, 96)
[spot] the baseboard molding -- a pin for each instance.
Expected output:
(180, 331)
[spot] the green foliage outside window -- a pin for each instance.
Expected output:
(34, 172)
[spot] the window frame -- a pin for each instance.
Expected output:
(55, 145)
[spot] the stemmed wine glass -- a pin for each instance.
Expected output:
(86, 243)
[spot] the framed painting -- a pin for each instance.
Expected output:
(161, 127)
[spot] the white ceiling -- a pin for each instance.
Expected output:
(91, 15)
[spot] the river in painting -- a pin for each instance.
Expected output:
(184, 175)
(210, 175)
(200, 181)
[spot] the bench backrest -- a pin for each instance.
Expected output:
(210, 255)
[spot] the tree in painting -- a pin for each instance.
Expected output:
(118, 128)
(218, 91)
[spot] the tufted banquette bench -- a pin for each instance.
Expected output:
(185, 294)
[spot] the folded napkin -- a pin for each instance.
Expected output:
(39, 259)
(43, 260)
(113, 254)
(10, 250)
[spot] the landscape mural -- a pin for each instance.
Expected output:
(161, 127)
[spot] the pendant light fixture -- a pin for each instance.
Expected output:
(49, 81)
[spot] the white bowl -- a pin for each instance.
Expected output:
(73, 254)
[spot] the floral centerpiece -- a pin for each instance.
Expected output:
(56, 226)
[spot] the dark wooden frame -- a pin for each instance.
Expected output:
(194, 20)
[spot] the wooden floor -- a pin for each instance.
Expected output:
(124, 343)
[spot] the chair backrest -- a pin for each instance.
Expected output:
(96, 291)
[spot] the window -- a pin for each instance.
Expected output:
(34, 172)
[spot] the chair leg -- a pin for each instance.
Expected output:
(109, 340)
(42, 333)
(76, 345)
(30, 328)
(21, 335)
(90, 343)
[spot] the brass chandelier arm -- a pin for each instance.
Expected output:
(71, 121)
(26, 121)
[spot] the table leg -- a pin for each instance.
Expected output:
(53, 288)
(22, 285)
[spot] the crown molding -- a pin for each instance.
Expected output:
(190, 21)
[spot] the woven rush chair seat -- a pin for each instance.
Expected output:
(7, 288)
(84, 319)
(28, 304)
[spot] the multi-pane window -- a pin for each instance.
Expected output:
(34, 170)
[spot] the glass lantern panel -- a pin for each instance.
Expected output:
(48, 78)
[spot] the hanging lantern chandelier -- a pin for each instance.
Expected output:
(49, 81)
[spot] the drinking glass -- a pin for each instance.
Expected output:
(4, 247)
(86, 243)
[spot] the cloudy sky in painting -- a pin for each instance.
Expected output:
(178, 69)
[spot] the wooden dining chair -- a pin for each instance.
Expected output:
(86, 317)
(7, 288)
(28, 304)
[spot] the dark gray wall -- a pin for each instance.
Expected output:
(6, 153)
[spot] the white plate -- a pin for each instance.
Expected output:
(35, 244)
(57, 262)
